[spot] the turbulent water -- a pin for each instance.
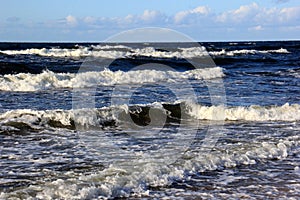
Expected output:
(150, 120)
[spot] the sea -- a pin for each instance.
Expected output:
(205, 120)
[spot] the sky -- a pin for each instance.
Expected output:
(96, 20)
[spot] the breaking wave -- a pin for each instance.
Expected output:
(285, 112)
(16, 120)
(122, 178)
(121, 51)
(112, 52)
(247, 51)
(51, 80)
(134, 176)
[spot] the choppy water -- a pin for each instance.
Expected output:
(150, 125)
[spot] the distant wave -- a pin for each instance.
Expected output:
(246, 51)
(112, 52)
(51, 80)
(293, 72)
(16, 120)
(121, 51)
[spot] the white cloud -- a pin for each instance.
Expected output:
(253, 14)
(289, 14)
(256, 28)
(201, 10)
(90, 20)
(150, 15)
(129, 19)
(201, 21)
(71, 20)
(247, 17)
(245, 12)
(180, 16)
(184, 15)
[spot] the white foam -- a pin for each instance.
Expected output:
(80, 52)
(112, 52)
(121, 51)
(96, 117)
(55, 52)
(103, 47)
(134, 175)
(247, 51)
(38, 118)
(285, 112)
(292, 72)
(50, 80)
(32, 117)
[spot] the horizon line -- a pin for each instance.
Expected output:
(81, 41)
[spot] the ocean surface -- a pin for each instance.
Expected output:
(216, 120)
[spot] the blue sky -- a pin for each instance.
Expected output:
(95, 20)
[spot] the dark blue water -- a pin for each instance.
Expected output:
(92, 121)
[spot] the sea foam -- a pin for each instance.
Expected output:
(99, 117)
(285, 112)
(121, 51)
(51, 80)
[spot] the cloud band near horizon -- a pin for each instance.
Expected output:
(248, 22)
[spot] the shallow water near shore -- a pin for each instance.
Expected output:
(161, 143)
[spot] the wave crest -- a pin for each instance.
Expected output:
(285, 112)
(113, 116)
(51, 80)
(121, 51)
